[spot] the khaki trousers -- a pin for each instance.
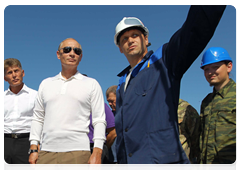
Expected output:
(74, 157)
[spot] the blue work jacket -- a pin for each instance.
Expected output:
(146, 119)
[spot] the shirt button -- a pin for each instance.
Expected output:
(126, 129)
(130, 154)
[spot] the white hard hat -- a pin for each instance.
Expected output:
(128, 22)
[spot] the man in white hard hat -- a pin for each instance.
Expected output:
(146, 118)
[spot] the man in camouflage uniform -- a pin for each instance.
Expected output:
(218, 110)
(188, 120)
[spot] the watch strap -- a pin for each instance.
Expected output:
(32, 151)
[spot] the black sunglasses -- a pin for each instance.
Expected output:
(77, 51)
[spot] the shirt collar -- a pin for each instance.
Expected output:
(222, 92)
(24, 89)
(77, 76)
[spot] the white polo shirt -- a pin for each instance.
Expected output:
(61, 114)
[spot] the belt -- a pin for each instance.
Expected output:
(16, 135)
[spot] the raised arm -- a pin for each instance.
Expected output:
(191, 39)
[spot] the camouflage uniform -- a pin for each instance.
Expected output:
(218, 126)
(189, 122)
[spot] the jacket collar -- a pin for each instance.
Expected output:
(126, 70)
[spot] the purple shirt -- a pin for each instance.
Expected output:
(109, 119)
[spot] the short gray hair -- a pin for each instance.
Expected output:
(111, 89)
(10, 62)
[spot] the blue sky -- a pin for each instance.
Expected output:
(32, 35)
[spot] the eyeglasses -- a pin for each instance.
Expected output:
(77, 51)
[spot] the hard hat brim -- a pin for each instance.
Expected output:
(119, 34)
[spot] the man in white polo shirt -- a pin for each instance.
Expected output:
(61, 114)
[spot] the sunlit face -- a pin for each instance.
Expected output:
(217, 73)
(112, 101)
(71, 58)
(14, 76)
(133, 43)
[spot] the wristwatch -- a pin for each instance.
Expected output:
(32, 151)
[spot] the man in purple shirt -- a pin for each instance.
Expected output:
(110, 133)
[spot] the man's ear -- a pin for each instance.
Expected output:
(146, 40)
(229, 67)
(23, 73)
(80, 57)
(58, 55)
